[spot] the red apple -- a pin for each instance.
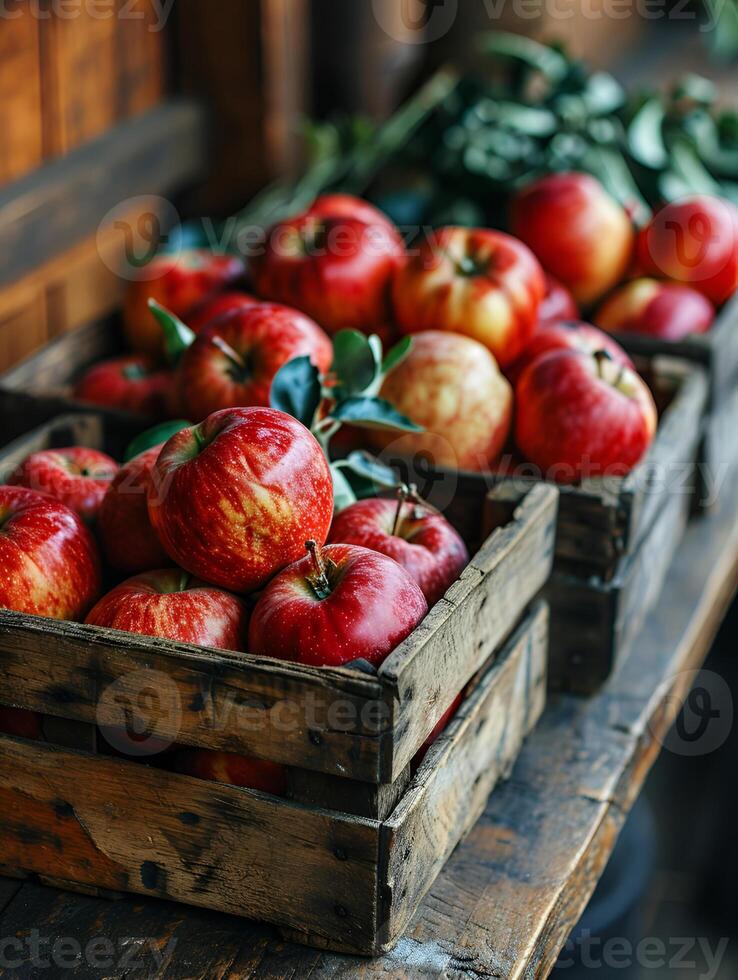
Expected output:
(212, 309)
(130, 383)
(336, 269)
(666, 310)
(558, 303)
(567, 335)
(331, 607)
(477, 282)
(694, 241)
(234, 359)
(179, 283)
(234, 499)
(123, 524)
(581, 235)
(20, 723)
(348, 206)
(451, 386)
(49, 562)
(77, 476)
(237, 770)
(415, 535)
(170, 603)
(582, 415)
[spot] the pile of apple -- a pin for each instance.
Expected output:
(230, 528)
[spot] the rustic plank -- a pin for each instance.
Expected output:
(21, 148)
(492, 592)
(64, 201)
(451, 789)
(24, 327)
(128, 827)
(140, 55)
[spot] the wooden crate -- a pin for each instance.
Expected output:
(84, 821)
(62, 667)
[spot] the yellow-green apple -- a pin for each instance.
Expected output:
(132, 383)
(451, 386)
(179, 283)
(667, 310)
(237, 770)
(335, 605)
(558, 303)
(473, 281)
(234, 359)
(567, 335)
(582, 415)
(693, 241)
(49, 564)
(581, 234)
(336, 269)
(170, 603)
(212, 309)
(415, 535)
(123, 524)
(77, 476)
(234, 499)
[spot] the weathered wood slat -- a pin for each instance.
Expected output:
(62, 202)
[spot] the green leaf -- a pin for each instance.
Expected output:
(355, 363)
(343, 495)
(177, 335)
(645, 139)
(603, 94)
(370, 468)
(695, 88)
(296, 389)
(373, 413)
(397, 354)
(537, 56)
(154, 437)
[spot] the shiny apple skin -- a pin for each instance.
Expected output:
(667, 310)
(132, 383)
(693, 241)
(170, 603)
(235, 498)
(348, 206)
(265, 336)
(572, 423)
(429, 548)
(123, 526)
(558, 303)
(76, 476)
(49, 565)
(212, 309)
(567, 335)
(496, 302)
(179, 283)
(580, 234)
(451, 386)
(373, 605)
(236, 770)
(337, 270)
(20, 723)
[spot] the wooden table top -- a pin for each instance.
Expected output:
(512, 891)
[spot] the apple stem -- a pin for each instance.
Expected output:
(230, 353)
(319, 580)
(601, 356)
(403, 492)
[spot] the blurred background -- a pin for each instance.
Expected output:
(114, 111)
